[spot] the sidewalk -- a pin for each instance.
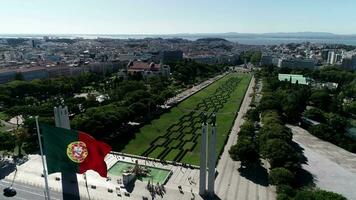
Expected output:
(332, 167)
(189, 92)
(30, 172)
(230, 184)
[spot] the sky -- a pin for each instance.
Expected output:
(176, 16)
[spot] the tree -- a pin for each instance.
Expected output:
(245, 151)
(350, 107)
(279, 153)
(274, 131)
(322, 131)
(253, 114)
(337, 122)
(321, 99)
(315, 114)
(7, 141)
(271, 116)
(21, 137)
(317, 195)
(280, 176)
(327, 195)
(256, 57)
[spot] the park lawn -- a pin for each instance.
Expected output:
(225, 119)
(188, 145)
(174, 143)
(159, 126)
(155, 153)
(160, 141)
(173, 153)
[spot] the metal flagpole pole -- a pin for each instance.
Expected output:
(42, 157)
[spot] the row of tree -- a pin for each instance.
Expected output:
(134, 99)
(281, 102)
(284, 102)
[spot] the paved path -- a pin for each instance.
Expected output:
(30, 184)
(230, 184)
(333, 168)
(189, 92)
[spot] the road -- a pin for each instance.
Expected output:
(25, 192)
(230, 184)
(333, 168)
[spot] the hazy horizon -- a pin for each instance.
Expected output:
(159, 17)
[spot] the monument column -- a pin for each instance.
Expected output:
(70, 188)
(202, 177)
(212, 157)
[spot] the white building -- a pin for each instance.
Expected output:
(331, 58)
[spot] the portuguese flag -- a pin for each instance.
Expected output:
(73, 151)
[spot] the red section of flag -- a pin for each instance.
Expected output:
(96, 153)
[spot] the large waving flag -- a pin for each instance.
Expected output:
(73, 151)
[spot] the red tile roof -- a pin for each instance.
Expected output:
(143, 66)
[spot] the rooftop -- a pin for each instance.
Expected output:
(293, 77)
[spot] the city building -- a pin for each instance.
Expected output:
(349, 61)
(266, 60)
(296, 63)
(147, 69)
(171, 56)
(332, 58)
(293, 78)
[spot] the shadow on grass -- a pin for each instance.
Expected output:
(119, 141)
(255, 173)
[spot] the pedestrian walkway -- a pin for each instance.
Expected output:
(230, 184)
(189, 92)
(182, 184)
(332, 167)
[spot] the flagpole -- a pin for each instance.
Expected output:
(42, 157)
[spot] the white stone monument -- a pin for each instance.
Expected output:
(208, 145)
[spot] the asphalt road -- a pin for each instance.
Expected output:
(27, 192)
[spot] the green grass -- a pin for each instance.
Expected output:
(188, 137)
(155, 153)
(157, 175)
(160, 141)
(174, 143)
(188, 145)
(225, 118)
(172, 154)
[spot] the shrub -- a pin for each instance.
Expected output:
(245, 151)
(318, 195)
(280, 176)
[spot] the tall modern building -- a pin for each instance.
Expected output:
(331, 58)
(349, 62)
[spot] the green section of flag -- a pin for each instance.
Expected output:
(55, 143)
